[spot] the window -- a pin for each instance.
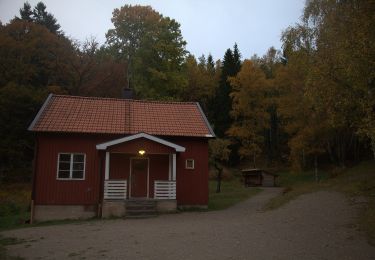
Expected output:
(189, 164)
(71, 166)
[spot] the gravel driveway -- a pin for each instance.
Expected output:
(314, 226)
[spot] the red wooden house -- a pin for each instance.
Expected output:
(94, 155)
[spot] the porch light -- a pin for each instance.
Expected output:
(141, 152)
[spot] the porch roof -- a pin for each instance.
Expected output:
(104, 146)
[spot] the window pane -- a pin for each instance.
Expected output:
(78, 166)
(65, 166)
(64, 157)
(78, 158)
(77, 174)
(64, 174)
(190, 163)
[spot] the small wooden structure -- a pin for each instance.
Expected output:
(258, 177)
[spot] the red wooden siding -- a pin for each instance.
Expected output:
(119, 166)
(159, 167)
(141, 144)
(192, 185)
(49, 190)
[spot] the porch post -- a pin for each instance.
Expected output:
(170, 167)
(106, 166)
(174, 167)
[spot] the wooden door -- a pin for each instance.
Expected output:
(139, 178)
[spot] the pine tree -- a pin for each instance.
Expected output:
(223, 102)
(210, 64)
(237, 58)
(42, 17)
(26, 12)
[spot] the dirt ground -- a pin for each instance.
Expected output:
(315, 226)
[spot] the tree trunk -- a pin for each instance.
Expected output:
(254, 160)
(303, 159)
(218, 177)
(316, 168)
(218, 185)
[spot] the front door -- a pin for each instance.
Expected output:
(139, 177)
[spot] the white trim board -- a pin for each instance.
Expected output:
(105, 145)
(40, 112)
(206, 121)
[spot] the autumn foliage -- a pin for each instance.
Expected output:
(313, 100)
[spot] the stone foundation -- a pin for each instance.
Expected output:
(60, 212)
(193, 207)
(113, 208)
(110, 208)
(166, 206)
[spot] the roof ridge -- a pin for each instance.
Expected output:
(124, 99)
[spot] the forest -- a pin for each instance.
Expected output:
(310, 103)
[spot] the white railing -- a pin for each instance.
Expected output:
(115, 189)
(165, 190)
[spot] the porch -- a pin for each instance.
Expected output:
(139, 168)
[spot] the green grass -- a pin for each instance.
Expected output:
(232, 192)
(14, 205)
(358, 181)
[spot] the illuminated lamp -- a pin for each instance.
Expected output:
(141, 152)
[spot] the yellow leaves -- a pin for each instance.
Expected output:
(249, 93)
(251, 100)
(218, 149)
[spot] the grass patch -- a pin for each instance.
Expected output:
(358, 183)
(14, 205)
(232, 192)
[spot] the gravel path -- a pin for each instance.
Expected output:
(314, 226)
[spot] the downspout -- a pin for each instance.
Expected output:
(34, 181)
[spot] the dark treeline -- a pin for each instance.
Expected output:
(313, 100)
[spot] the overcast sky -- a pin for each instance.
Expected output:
(208, 26)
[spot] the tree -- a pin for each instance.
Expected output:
(249, 110)
(326, 97)
(26, 12)
(202, 81)
(269, 64)
(210, 64)
(153, 47)
(32, 55)
(223, 102)
(42, 17)
(18, 105)
(219, 154)
(93, 72)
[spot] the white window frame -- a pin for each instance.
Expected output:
(186, 164)
(71, 167)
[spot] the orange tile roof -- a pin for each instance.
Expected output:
(74, 114)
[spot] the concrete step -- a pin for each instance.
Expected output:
(140, 211)
(143, 202)
(140, 216)
(140, 208)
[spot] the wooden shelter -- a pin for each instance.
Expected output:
(258, 177)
